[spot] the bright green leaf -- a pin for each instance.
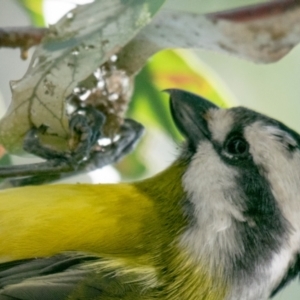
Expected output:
(34, 8)
(150, 106)
(173, 69)
(183, 69)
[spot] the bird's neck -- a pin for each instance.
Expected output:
(185, 279)
(166, 191)
(182, 277)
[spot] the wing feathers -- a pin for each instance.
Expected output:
(43, 278)
(74, 276)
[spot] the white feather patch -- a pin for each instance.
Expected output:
(206, 181)
(220, 122)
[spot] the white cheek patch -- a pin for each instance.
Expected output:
(210, 185)
(220, 122)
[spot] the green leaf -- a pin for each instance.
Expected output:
(173, 69)
(183, 69)
(5, 160)
(34, 9)
(150, 106)
(80, 42)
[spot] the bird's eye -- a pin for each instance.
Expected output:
(237, 146)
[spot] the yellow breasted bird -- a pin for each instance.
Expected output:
(221, 223)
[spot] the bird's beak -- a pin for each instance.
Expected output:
(189, 114)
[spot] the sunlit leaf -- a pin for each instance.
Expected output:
(5, 160)
(183, 69)
(150, 106)
(133, 166)
(2, 152)
(173, 69)
(34, 9)
(81, 41)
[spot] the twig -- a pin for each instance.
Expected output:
(254, 12)
(26, 37)
(21, 37)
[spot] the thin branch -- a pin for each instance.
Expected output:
(21, 37)
(42, 168)
(135, 54)
(255, 12)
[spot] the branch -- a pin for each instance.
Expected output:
(261, 33)
(255, 12)
(21, 37)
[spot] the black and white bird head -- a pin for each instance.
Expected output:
(243, 184)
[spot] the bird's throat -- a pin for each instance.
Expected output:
(181, 276)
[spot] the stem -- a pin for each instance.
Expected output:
(21, 37)
(256, 11)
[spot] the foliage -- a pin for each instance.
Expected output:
(70, 53)
(149, 105)
(34, 9)
(86, 39)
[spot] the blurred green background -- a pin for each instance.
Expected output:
(271, 89)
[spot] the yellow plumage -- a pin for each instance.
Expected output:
(214, 226)
(133, 228)
(116, 219)
(44, 220)
(107, 242)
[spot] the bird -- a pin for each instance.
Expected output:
(222, 222)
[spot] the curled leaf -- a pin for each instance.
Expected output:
(73, 48)
(261, 33)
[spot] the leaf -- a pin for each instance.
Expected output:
(173, 69)
(5, 160)
(183, 69)
(80, 42)
(150, 106)
(2, 152)
(261, 33)
(34, 9)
